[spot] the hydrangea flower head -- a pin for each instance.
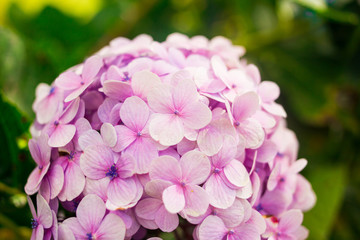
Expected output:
(176, 136)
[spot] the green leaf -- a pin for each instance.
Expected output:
(329, 184)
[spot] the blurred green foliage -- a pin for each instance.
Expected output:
(309, 47)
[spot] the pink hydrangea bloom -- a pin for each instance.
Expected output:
(175, 136)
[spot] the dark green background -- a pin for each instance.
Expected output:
(311, 52)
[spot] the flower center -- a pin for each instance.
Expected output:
(139, 134)
(126, 77)
(176, 112)
(112, 172)
(217, 170)
(183, 184)
(90, 236)
(52, 89)
(34, 223)
(56, 123)
(71, 155)
(237, 123)
(82, 83)
(231, 232)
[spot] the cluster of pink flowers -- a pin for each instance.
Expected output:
(146, 135)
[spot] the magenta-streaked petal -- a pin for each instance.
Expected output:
(245, 106)
(266, 152)
(44, 212)
(253, 133)
(40, 150)
(144, 151)
(219, 194)
(38, 233)
(210, 141)
(35, 178)
(174, 199)
(98, 187)
(160, 99)
(90, 138)
(246, 232)
(142, 82)
(147, 208)
(76, 228)
(196, 115)
(90, 212)
(196, 200)
(91, 68)
(125, 165)
(125, 137)
(62, 135)
(96, 161)
(290, 221)
(258, 221)
(185, 145)
(74, 182)
(147, 224)
(226, 153)
(236, 173)
(195, 167)
(117, 90)
(68, 80)
(134, 113)
(212, 228)
(112, 227)
(155, 188)
(233, 215)
(105, 108)
(184, 94)
(121, 192)
(82, 125)
(70, 111)
(108, 134)
(166, 221)
(165, 168)
(65, 233)
(55, 177)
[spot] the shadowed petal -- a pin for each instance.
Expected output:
(147, 208)
(212, 228)
(74, 182)
(166, 221)
(117, 90)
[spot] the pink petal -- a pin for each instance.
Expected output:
(93, 100)
(65, 233)
(90, 212)
(38, 233)
(165, 168)
(233, 215)
(268, 91)
(44, 212)
(184, 94)
(125, 137)
(68, 80)
(236, 173)
(257, 220)
(245, 106)
(40, 150)
(77, 92)
(226, 153)
(274, 177)
(70, 111)
(90, 138)
(56, 180)
(265, 119)
(266, 152)
(276, 201)
(35, 178)
(142, 82)
(91, 68)
(290, 221)
(62, 135)
(212, 228)
(108, 134)
(168, 129)
(47, 108)
(196, 115)
(121, 192)
(275, 109)
(219, 67)
(98, 187)
(160, 99)
(195, 167)
(298, 166)
(125, 165)
(105, 108)
(209, 141)
(96, 161)
(253, 133)
(75, 227)
(220, 195)
(155, 188)
(144, 151)
(245, 192)
(74, 182)
(166, 221)
(32, 208)
(112, 227)
(174, 199)
(185, 145)
(147, 208)
(246, 232)
(117, 90)
(134, 113)
(196, 200)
